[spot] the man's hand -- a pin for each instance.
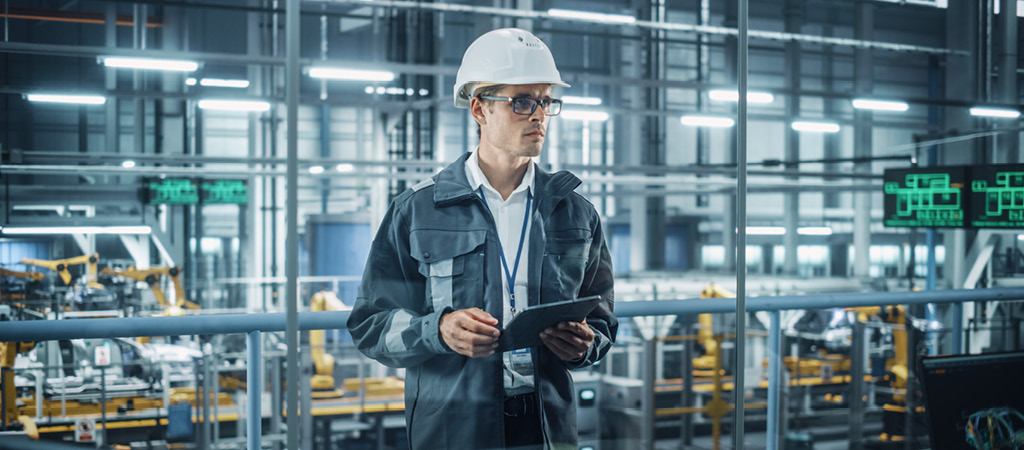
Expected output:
(470, 332)
(568, 340)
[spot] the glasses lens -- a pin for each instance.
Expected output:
(524, 105)
(552, 107)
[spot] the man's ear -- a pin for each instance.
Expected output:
(476, 108)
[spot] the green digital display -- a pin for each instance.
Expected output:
(997, 196)
(932, 197)
(234, 192)
(171, 192)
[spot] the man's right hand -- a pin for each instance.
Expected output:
(470, 332)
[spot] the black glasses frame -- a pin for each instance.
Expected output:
(526, 106)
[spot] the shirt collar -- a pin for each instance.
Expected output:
(476, 177)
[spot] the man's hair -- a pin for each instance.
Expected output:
(486, 91)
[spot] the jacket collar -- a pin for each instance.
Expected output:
(452, 186)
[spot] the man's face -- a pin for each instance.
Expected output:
(511, 133)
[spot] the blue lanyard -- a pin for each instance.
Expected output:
(511, 277)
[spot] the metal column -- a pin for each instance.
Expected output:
(292, 241)
(254, 391)
(741, 220)
(774, 378)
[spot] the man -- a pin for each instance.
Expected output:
(459, 254)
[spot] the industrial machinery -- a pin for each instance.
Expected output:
(323, 381)
(151, 277)
(61, 267)
(19, 294)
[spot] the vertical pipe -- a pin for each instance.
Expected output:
(254, 390)
(774, 378)
(103, 403)
(741, 221)
(275, 399)
(857, 365)
(958, 328)
(1008, 73)
(647, 427)
(291, 241)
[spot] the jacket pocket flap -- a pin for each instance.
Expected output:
(431, 246)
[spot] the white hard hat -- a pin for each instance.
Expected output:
(505, 56)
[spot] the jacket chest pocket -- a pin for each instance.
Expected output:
(451, 261)
(565, 259)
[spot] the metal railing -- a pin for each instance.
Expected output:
(253, 324)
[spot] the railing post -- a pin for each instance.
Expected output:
(774, 378)
(254, 390)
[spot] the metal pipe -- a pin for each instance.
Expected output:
(291, 241)
(46, 330)
(742, 47)
(254, 391)
(958, 329)
(656, 25)
(774, 378)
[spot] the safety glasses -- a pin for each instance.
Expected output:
(526, 106)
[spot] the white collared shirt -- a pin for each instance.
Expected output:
(508, 217)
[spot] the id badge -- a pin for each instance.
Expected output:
(521, 359)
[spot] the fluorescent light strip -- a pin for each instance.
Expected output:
(150, 63)
(725, 95)
(1000, 113)
(585, 115)
(732, 95)
(814, 231)
(817, 127)
(697, 120)
(351, 74)
(316, 170)
(72, 99)
(766, 231)
(596, 17)
(879, 105)
(128, 229)
(234, 105)
(190, 81)
(221, 82)
(573, 100)
(128, 164)
(345, 168)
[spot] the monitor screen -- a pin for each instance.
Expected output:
(930, 197)
(996, 196)
(975, 401)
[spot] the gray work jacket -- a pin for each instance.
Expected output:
(437, 251)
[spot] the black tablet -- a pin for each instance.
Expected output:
(524, 330)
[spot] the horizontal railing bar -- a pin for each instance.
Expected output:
(44, 330)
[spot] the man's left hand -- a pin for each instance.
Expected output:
(568, 340)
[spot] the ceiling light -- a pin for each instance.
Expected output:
(880, 105)
(72, 99)
(814, 231)
(345, 168)
(1001, 113)
(818, 127)
(725, 95)
(766, 231)
(381, 90)
(190, 81)
(150, 63)
(128, 164)
(585, 115)
(424, 92)
(697, 120)
(368, 90)
(410, 92)
(596, 17)
(315, 170)
(351, 74)
(130, 229)
(234, 105)
(574, 100)
(221, 82)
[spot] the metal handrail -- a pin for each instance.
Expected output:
(44, 330)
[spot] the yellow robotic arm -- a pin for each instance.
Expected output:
(150, 276)
(706, 335)
(34, 276)
(323, 381)
(896, 315)
(8, 351)
(61, 267)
